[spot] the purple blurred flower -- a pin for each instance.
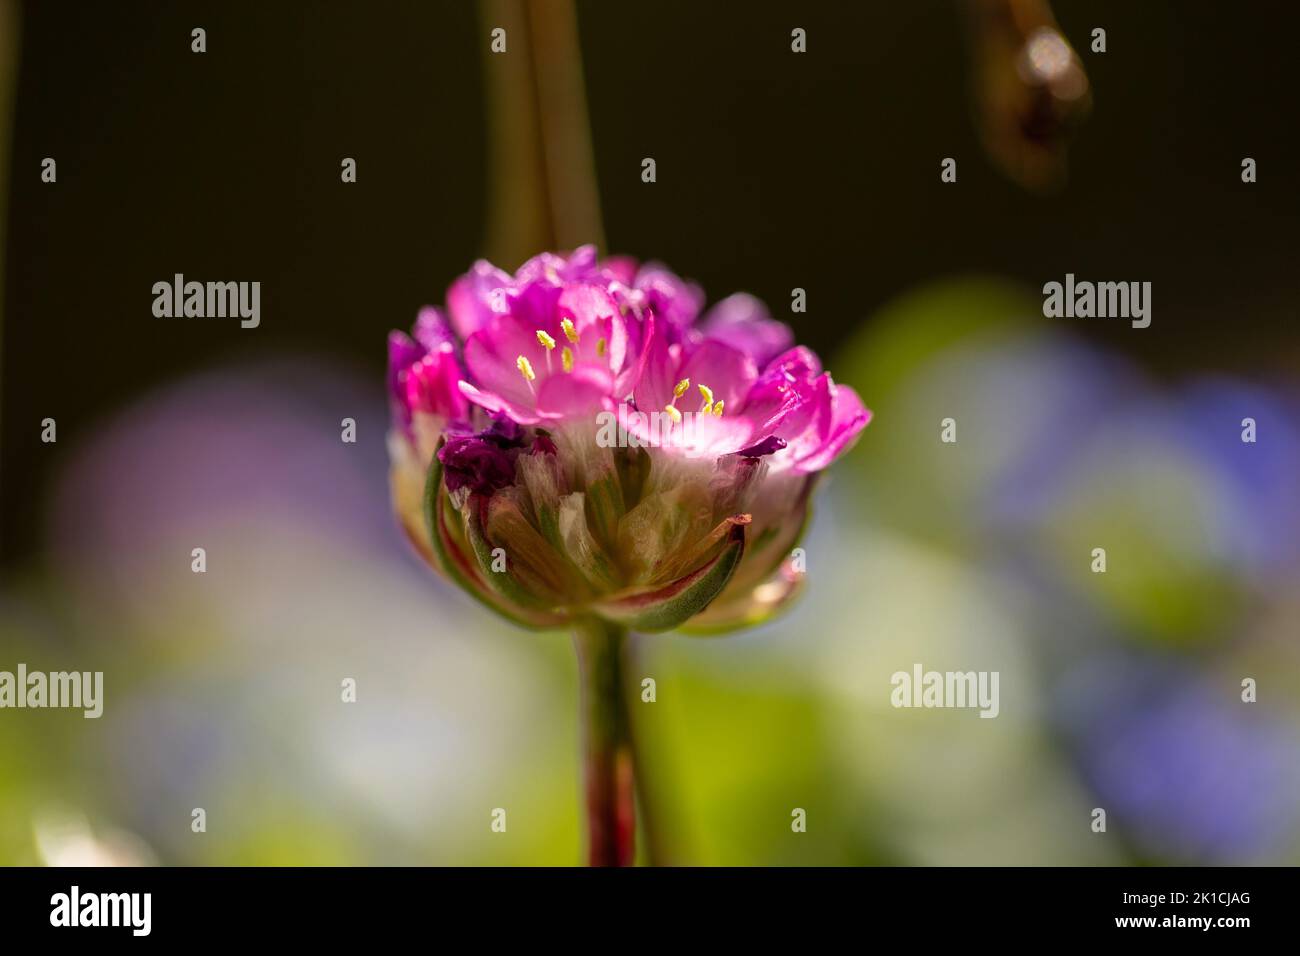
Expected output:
(142, 485)
(1186, 770)
(1259, 477)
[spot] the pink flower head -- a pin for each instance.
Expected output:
(633, 461)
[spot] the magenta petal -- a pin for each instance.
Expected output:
(554, 268)
(797, 400)
(621, 269)
(402, 354)
(806, 427)
(728, 372)
(430, 385)
(848, 417)
(580, 265)
(543, 267)
(654, 390)
(695, 436)
(714, 437)
(534, 305)
(640, 349)
(769, 411)
(492, 355)
(742, 321)
(570, 395)
(497, 405)
(676, 302)
(799, 362)
(432, 329)
(595, 315)
(476, 296)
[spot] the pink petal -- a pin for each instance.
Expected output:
(572, 395)
(728, 372)
(496, 404)
(492, 355)
(848, 417)
(472, 299)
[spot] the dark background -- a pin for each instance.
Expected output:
(774, 171)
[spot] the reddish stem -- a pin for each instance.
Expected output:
(607, 746)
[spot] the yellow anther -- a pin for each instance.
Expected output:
(547, 342)
(707, 393)
(566, 358)
(600, 347)
(570, 332)
(717, 409)
(525, 368)
(681, 388)
(673, 413)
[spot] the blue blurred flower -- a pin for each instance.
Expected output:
(1185, 770)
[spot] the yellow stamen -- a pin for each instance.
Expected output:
(525, 368)
(708, 398)
(570, 332)
(566, 358)
(717, 409)
(681, 388)
(673, 413)
(547, 342)
(600, 347)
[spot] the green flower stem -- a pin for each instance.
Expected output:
(607, 744)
